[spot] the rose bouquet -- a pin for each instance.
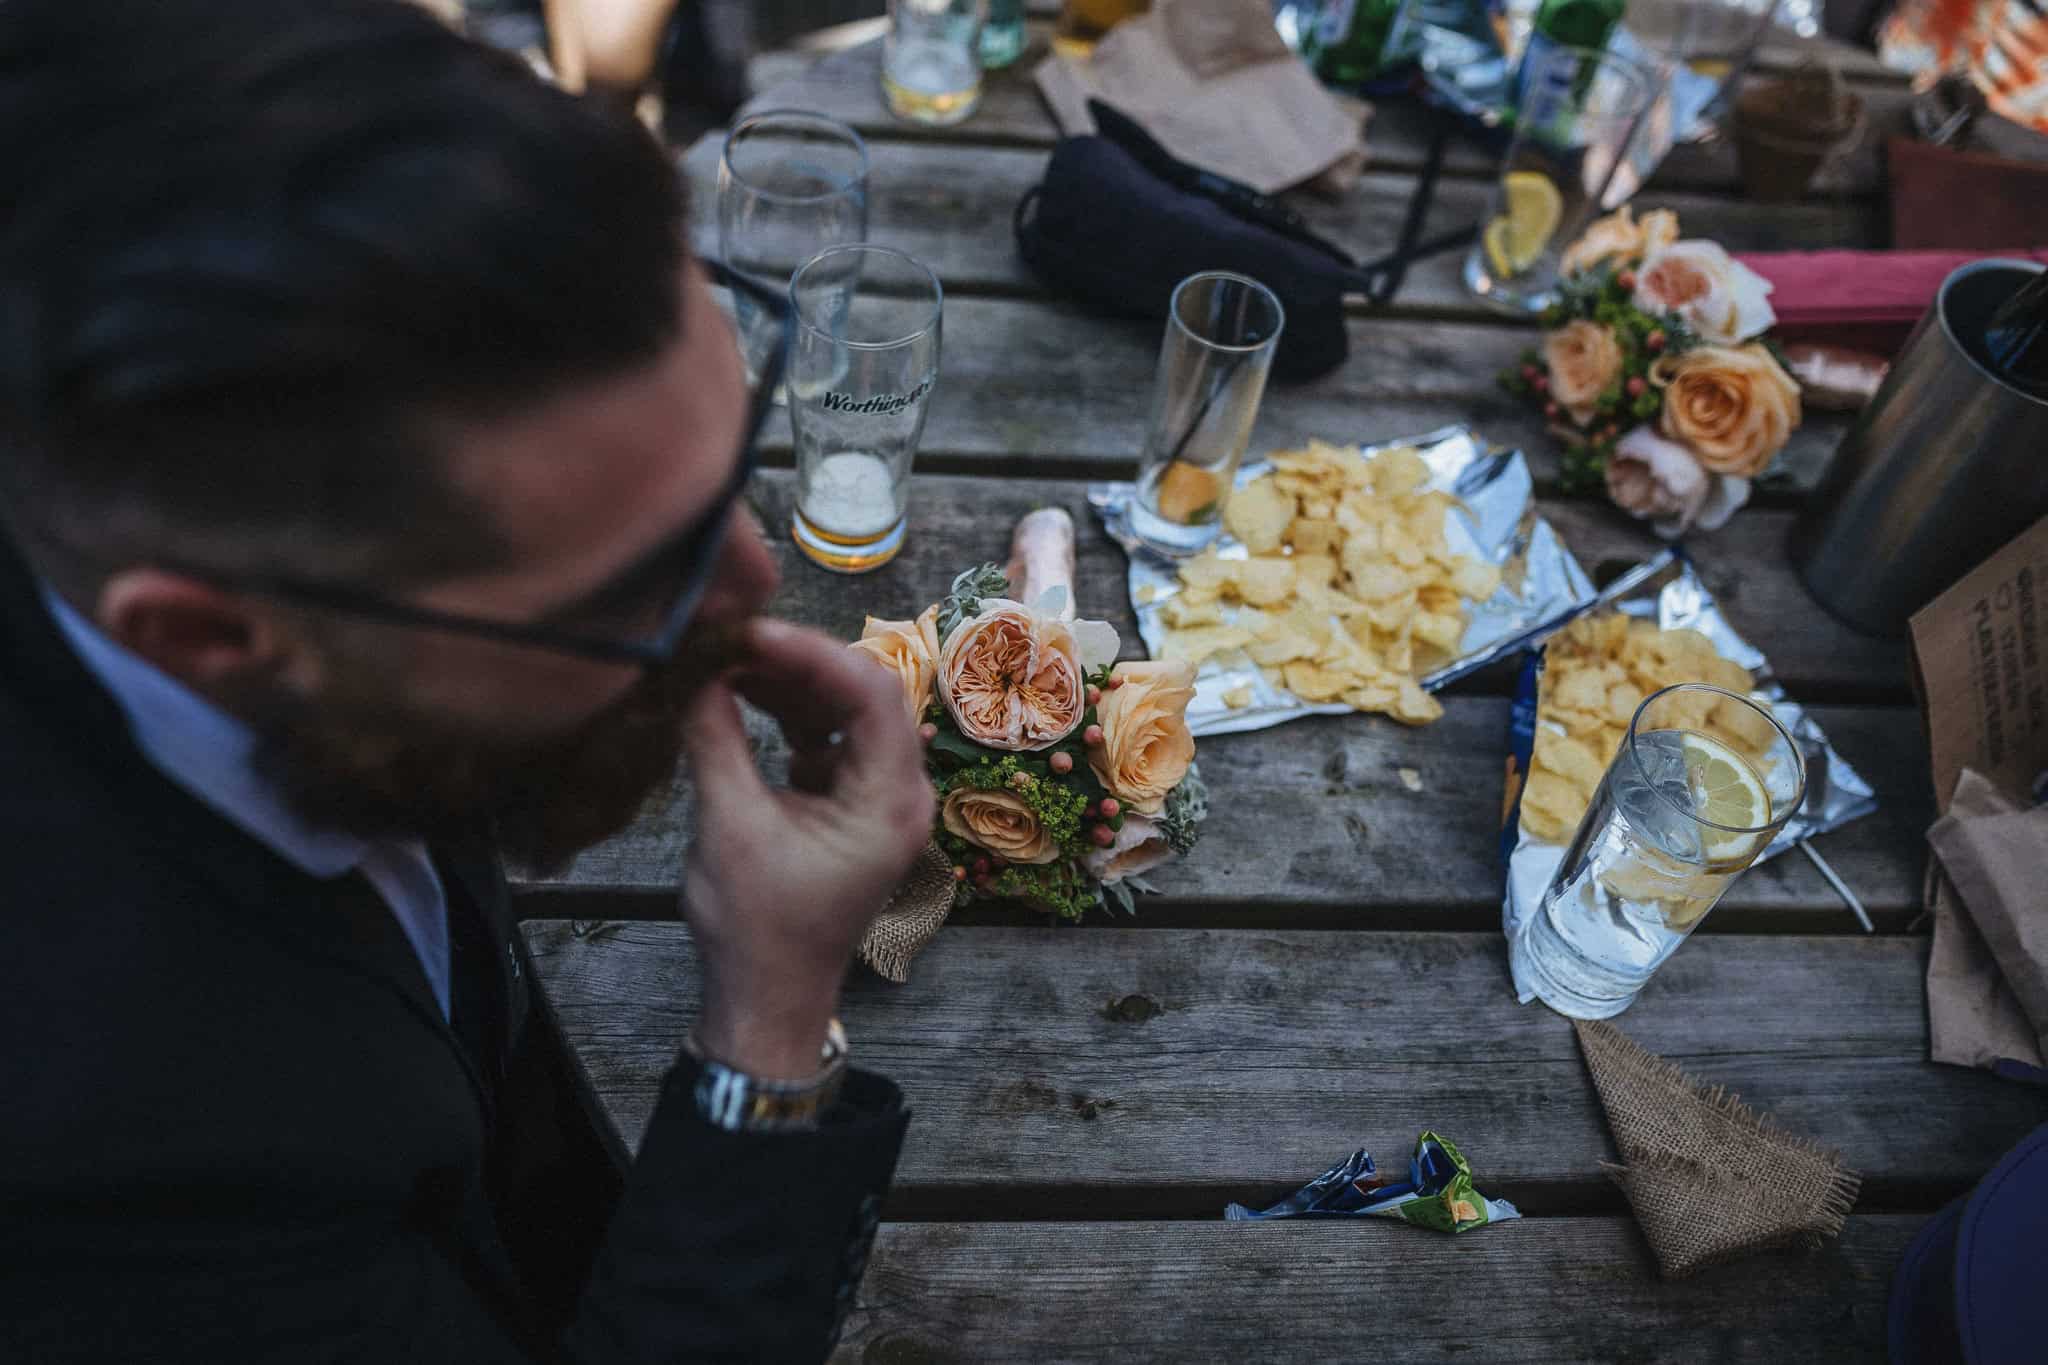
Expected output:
(1062, 775)
(1655, 372)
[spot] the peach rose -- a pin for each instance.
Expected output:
(1733, 407)
(1710, 291)
(1146, 747)
(905, 648)
(1620, 239)
(1659, 481)
(1139, 848)
(1660, 229)
(1000, 822)
(928, 631)
(1583, 358)
(1016, 679)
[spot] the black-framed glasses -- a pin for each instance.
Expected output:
(684, 564)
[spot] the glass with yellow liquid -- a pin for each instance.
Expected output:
(1221, 332)
(1701, 785)
(931, 59)
(1575, 116)
(863, 360)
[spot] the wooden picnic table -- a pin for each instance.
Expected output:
(1326, 971)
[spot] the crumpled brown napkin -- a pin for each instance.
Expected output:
(1214, 82)
(1987, 973)
(1709, 1180)
(912, 917)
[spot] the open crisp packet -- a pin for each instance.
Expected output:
(1493, 520)
(1664, 591)
(1437, 1193)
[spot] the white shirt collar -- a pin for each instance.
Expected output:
(204, 750)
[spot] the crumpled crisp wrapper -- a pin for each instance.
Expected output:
(1437, 1193)
(1540, 581)
(1667, 589)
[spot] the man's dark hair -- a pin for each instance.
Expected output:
(254, 254)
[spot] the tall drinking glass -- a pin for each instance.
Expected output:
(1221, 332)
(931, 59)
(863, 361)
(1702, 783)
(790, 184)
(1697, 52)
(1574, 121)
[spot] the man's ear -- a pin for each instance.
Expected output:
(196, 633)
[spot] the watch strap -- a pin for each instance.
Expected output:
(736, 1102)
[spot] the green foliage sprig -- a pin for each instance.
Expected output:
(963, 601)
(1602, 295)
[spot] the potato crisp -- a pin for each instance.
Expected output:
(1596, 672)
(1350, 592)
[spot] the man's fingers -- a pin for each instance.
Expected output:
(721, 759)
(814, 687)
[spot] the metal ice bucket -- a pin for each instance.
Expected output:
(1947, 463)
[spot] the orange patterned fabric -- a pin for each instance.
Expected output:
(2002, 45)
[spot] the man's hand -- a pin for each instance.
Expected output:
(781, 884)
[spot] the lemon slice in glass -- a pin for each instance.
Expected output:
(1516, 238)
(1726, 791)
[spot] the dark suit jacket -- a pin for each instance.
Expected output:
(234, 1125)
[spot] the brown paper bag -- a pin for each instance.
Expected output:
(1212, 80)
(1980, 653)
(1980, 669)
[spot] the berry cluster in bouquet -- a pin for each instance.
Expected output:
(1656, 373)
(1062, 775)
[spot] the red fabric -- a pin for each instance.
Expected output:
(1868, 300)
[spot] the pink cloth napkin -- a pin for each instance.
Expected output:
(1866, 300)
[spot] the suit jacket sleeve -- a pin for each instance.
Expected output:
(740, 1246)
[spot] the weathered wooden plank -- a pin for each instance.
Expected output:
(1330, 812)
(1563, 1291)
(1250, 1060)
(1031, 386)
(1314, 827)
(958, 521)
(950, 205)
(846, 85)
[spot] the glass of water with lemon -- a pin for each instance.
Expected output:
(1701, 785)
(1576, 113)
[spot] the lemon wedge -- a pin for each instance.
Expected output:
(1187, 494)
(1515, 239)
(1725, 791)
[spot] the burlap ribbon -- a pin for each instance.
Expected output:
(912, 917)
(1709, 1179)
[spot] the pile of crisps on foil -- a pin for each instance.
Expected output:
(1596, 672)
(1350, 592)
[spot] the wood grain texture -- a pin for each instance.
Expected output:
(1039, 387)
(951, 205)
(957, 522)
(1242, 1062)
(1323, 804)
(847, 86)
(1314, 827)
(1560, 1291)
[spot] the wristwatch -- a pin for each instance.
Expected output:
(739, 1103)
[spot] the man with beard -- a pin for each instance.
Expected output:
(370, 464)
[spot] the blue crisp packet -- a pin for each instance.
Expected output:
(1437, 1194)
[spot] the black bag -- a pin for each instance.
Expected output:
(1105, 231)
